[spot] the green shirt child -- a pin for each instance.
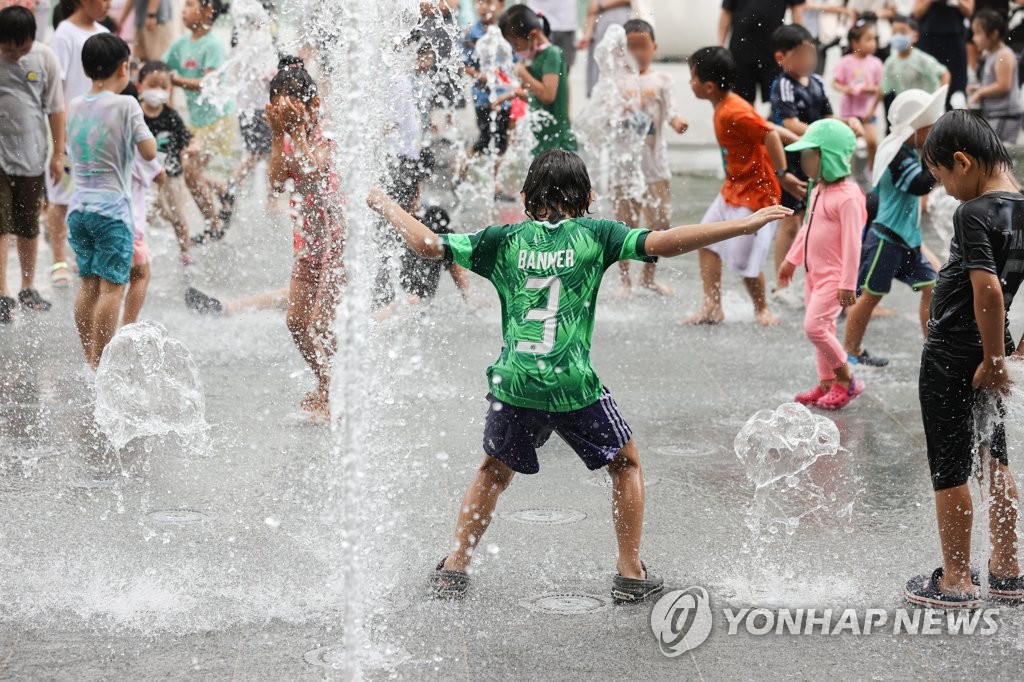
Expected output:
(553, 130)
(193, 58)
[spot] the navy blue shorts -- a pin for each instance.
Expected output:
(596, 432)
(883, 260)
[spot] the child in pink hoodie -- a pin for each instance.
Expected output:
(828, 246)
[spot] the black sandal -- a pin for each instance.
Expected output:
(6, 306)
(30, 298)
(447, 584)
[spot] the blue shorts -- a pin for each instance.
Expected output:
(103, 246)
(883, 260)
(596, 432)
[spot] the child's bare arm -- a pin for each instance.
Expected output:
(794, 125)
(417, 236)
(58, 135)
(991, 317)
(685, 238)
(777, 152)
(147, 149)
(458, 274)
(545, 90)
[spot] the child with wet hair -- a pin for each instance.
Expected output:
(828, 246)
(547, 271)
(964, 364)
(998, 94)
(542, 76)
(302, 161)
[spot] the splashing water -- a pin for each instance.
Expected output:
(941, 207)
(788, 455)
(801, 479)
(613, 126)
(245, 75)
(148, 385)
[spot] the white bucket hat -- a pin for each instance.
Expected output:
(910, 111)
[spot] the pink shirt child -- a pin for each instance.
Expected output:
(858, 71)
(828, 246)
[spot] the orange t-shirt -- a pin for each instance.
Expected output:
(749, 173)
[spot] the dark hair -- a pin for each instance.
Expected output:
(857, 31)
(292, 80)
(437, 220)
(789, 37)
(16, 25)
(715, 65)
(218, 6)
(557, 182)
(964, 131)
(131, 90)
(903, 19)
(102, 54)
(154, 66)
(519, 21)
(991, 22)
(63, 10)
(639, 26)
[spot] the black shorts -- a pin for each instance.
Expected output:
(492, 130)
(883, 260)
(255, 132)
(596, 432)
(753, 73)
(957, 419)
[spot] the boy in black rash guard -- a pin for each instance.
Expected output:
(963, 365)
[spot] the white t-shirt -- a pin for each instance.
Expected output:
(66, 43)
(103, 132)
(561, 14)
(657, 101)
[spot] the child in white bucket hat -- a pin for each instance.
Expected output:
(892, 243)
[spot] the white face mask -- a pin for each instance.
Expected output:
(154, 97)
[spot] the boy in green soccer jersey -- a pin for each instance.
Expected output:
(547, 272)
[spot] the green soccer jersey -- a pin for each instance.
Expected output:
(547, 277)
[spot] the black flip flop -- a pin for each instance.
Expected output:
(636, 590)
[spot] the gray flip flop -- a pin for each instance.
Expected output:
(447, 584)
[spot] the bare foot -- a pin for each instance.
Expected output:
(882, 311)
(765, 318)
(624, 292)
(659, 289)
(706, 315)
(316, 402)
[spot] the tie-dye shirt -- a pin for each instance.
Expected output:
(103, 132)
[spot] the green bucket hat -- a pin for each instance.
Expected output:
(836, 141)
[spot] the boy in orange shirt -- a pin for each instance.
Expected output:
(751, 147)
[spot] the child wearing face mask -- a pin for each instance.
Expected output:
(542, 74)
(172, 137)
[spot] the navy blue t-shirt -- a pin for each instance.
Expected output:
(988, 234)
(792, 99)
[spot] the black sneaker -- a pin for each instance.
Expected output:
(207, 236)
(202, 303)
(867, 359)
(6, 306)
(636, 590)
(227, 208)
(30, 298)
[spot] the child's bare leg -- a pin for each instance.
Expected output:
(925, 309)
(301, 302)
(656, 212)
(57, 230)
(758, 294)
(192, 164)
(268, 300)
(1002, 520)
(628, 509)
(85, 305)
(711, 278)
(491, 480)
(784, 237)
(955, 512)
(857, 318)
(625, 212)
(138, 283)
(871, 139)
(172, 207)
(104, 318)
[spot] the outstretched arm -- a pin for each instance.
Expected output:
(417, 236)
(686, 238)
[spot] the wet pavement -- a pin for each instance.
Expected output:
(166, 561)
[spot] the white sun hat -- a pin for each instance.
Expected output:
(910, 111)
